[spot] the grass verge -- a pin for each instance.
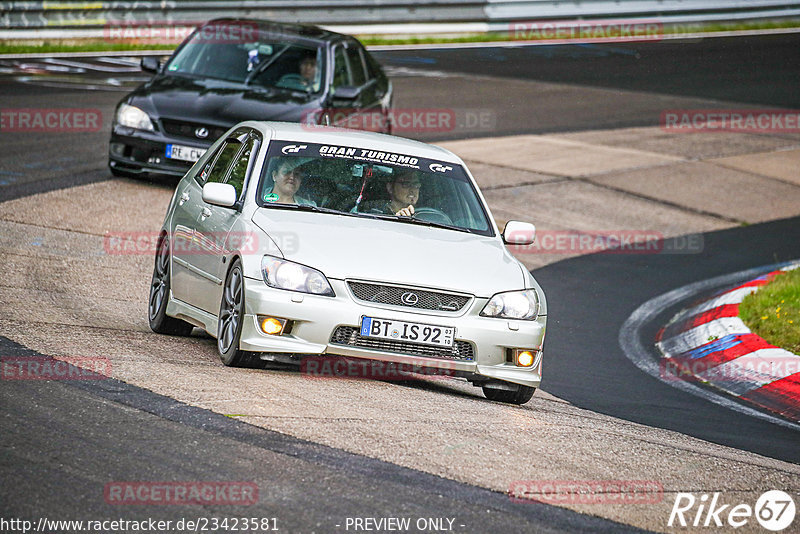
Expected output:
(773, 312)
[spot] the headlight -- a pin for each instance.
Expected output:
(513, 305)
(133, 117)
(284, 274)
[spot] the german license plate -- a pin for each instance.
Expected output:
(426, 334)
(184, 153)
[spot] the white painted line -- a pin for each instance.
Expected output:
(630, 339)
(731, 297)
(89, 66)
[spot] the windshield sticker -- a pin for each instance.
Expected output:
(271, 197)
(293, 149)
(365, 154)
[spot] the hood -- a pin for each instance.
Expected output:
(217, 102)
(344, 246)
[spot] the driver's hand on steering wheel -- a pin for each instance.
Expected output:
(408, 211)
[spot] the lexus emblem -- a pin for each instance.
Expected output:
(409, 298)
(201, 132)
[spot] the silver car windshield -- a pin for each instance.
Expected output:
(261, 61)
(367, 183)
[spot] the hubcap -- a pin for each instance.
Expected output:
(230, 312)
(158, 288)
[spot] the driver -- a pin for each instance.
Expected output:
(403, 191)
(308, 71)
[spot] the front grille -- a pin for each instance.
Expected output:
(187, 129)
(414, 298)
(349, 336)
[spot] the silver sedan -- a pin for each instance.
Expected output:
(299, 243)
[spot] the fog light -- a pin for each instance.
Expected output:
(524, 358)
(271, 325)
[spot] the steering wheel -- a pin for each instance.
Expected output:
(432, 215)
(294, 80)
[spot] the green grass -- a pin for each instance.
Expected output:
(74, 45)
(773, 312)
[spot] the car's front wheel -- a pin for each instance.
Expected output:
(231, 319)
(519, 394)
(160, 322)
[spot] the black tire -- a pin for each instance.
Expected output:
(231, 319)
(160, 322)
(520, 395)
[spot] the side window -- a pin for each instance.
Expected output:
(239, 170)
(356, 66)
(340, 74)
(224, 159)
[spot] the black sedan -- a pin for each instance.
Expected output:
(231, 70)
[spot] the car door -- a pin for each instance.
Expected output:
(214, 223)
(190, 248)
(369, 101)
(187, 209)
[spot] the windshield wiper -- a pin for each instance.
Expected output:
(412, 220)
(305, 207)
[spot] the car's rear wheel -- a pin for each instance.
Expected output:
(231, 319)
(160, 322)
(519, 394)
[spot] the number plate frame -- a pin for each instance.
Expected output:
(397, 329)
(184, 153)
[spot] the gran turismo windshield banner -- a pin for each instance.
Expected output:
(367, 155)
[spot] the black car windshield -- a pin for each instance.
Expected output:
(259, 60)
(364, 182)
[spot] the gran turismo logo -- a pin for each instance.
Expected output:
(435, 167)
(293, 149)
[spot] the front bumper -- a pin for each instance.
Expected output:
(139, 152)
(314, 319)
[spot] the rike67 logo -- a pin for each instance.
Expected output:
(774, 510)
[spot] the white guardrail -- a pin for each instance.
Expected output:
(76, 19)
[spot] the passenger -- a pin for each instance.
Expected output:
(288, 177)
(308, 71)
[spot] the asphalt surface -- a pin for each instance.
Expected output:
(87, 433)
(64, 441)
(590, 297)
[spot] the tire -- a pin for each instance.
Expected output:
(520, 395)
(231, 319)
(160, 322)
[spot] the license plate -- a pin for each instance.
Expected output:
(184, 153)
(426, 334)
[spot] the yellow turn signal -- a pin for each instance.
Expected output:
(272, 325)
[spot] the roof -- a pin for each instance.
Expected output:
(287, 29)
(292, 131)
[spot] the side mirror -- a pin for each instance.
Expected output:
(150, 64)
(217, 194)
(346, 92)
(519, 233)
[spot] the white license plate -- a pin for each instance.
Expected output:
(184, 153)
(426, 334)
